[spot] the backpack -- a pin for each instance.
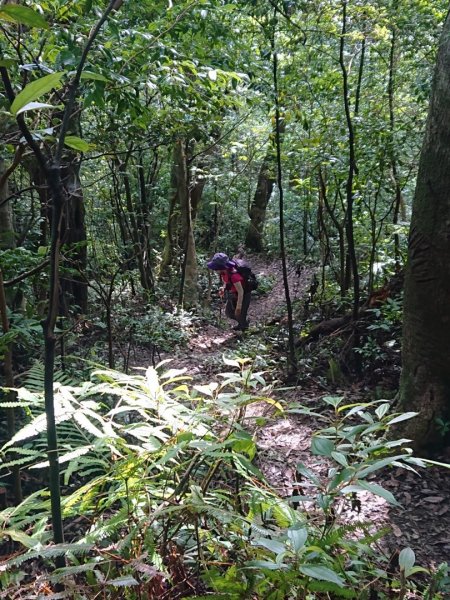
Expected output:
(245, 270)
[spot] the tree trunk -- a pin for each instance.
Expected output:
(264, 189)
(7, 234)
(352, 170)
(7, 240)
(292, 358)
(425, 379)
(177, 181)
(188, 287)
(266, 180)
(180, 228)
(73, 234)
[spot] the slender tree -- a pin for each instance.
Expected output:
(292, 360)
(52, 168)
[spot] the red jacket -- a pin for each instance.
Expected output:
(232, 277)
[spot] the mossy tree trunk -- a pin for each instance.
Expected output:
(258, 209)
(267, 177)
(425, 379)
(6, 223)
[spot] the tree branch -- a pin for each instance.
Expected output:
(26, 274)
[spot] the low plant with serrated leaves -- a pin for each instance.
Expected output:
(162, 497)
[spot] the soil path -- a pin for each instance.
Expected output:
(202, 357)
(423, 519)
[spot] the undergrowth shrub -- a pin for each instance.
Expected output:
(162, 497)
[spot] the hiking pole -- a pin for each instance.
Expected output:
(222, 303)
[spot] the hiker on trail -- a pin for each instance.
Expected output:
(235, 289)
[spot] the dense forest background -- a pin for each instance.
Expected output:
(138, 139)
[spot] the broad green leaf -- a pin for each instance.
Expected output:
(246, 446)
(334, 401)
(23, 15)
(207, 390)
(73, 141)
(379, 464)
(340, 458)
(403, 417)
(230, 362)
(374, 488)
(406, 559)
(298, 537)
(345, 475)
(321, 446)
(271, 545)
(322, 573)
(94, 76)
(334, 591)
(35, 89)
(33, 106)
(382, 410)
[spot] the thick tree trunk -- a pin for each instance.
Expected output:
(267, 178)
(425, 379)
(180, 228)
(264, 189)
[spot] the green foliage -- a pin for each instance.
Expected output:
(166, 476)
(265, 284)
(388, 316)
(163, 329)
(385, 332)
(22, 15)
(35, 90)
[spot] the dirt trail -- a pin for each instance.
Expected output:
(423, 519)
(202, 357)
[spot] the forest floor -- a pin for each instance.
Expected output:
(422, 521)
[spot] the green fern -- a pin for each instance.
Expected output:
(34, 378)
(148, 469)
(49, 552)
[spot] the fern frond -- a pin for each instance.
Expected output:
(25, 460)
(49, 552)
(65, 457)
(35, 377)
(37, 425)
(76, 569)
(126, 581)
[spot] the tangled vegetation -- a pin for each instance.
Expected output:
(163, 497)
